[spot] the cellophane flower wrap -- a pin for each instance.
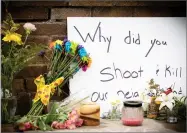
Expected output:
(67, 59)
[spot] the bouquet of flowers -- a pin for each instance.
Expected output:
(67, 59)
(172, 103)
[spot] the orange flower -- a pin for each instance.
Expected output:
(51, 45)
(89, 62)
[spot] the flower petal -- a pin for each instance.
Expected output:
(162, 105)
(169, 105)
(170, 96)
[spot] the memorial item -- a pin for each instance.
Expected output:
(90, 113)
(132, 113)
(114, 112)
(172, 105)
(153, 109)
(67, 59)
(154, 91)
(16, 53)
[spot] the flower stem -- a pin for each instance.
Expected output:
(25, 39)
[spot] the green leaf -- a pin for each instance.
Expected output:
(22, 120)
(50, 118)
(13, 29)
(62, 117)
(35, 123)
(49, 128)
(42, 125)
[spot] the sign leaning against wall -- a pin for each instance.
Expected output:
(126, 53)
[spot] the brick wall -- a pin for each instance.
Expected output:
(50, 20)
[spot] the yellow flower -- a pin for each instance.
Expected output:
(13, 37)
(116, 102)
(58, 42)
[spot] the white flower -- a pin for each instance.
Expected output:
(166, 100)
(144, 97)
(29, 26)
(114, 101)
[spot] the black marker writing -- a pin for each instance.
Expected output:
(131, 39)
(118, 73)
(100, 37)
(153, 42)
(99, 96)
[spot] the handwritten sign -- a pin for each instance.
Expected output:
(127, 53)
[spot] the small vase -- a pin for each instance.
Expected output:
(8, 108)
(49, 106)
(115, 114)
(153, 109)
(171, 116)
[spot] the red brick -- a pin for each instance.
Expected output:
(40, 60)
(29, 13)
(32, 94)
(38, 3)
(56, 37)
(38, 40)
(18, 86)
(47, 28)
(30, 85)
(32, 71)
(23, 103)
(63, 13)
(112, 12)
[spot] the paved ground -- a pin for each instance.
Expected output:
(149, 125)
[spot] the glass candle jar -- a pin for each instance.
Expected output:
(132, 113)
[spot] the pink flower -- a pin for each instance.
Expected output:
(62, 125)
(68, 122)
(71, 126)
(84, 68)
(57, 126)
(54, 124)
(79, 122)
(74, 112)
(27, 125)
(73, 116)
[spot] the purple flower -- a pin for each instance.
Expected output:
(41, 53)
(65, 40)
(80, 46)
(84, 68)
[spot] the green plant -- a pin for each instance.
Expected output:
(15, 55)
(180, 107)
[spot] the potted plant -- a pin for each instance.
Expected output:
(15, 55)
(173, 105)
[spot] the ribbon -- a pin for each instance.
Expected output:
(43, 91)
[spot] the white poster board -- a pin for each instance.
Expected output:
(126, 53)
